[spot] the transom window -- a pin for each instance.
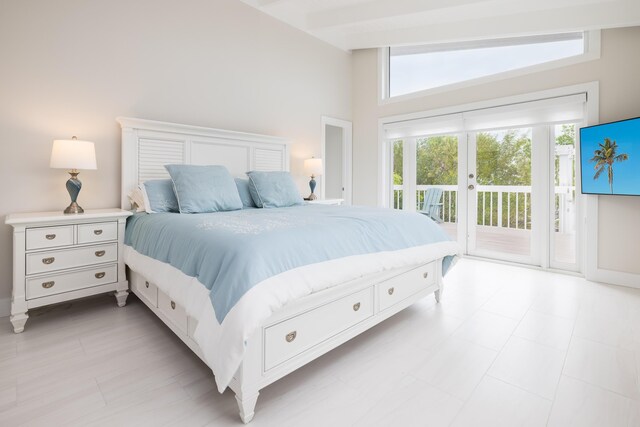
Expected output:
(419, 68)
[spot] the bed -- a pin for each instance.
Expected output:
(258, 293)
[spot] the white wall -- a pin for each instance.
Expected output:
(333, 162)
(70, 67)
(617, 72)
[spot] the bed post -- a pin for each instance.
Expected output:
(246, 405)
(438, 292)
(246, 385)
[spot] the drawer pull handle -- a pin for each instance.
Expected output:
(100, 275)
(97, 232)
(173, 305)
(100, 253)
(48, 285)
(50, 236)
(146, 284)
(425, 274)
(291, 336)
(48, 261)
(356, 306)
(390, 291)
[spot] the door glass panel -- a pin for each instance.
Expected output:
(396, 176)
(503, 168)
(564, 225)
(437, 180)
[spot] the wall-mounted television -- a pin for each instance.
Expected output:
(610, 158)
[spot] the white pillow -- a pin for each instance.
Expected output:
(136, 197)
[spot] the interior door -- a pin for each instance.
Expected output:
(334, 169)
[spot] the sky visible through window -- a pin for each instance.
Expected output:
(420, 71)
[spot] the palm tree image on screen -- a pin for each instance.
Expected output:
(605, 157)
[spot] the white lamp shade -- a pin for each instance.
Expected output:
(73, 154)
(313, 167)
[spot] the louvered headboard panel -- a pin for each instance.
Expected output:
(149, 145)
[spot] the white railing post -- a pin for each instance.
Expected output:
(499, 208)
(450, 204)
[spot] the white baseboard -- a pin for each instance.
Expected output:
(5, 307)
(615, 277)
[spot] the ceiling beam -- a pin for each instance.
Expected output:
(624, 13)
(376, 10)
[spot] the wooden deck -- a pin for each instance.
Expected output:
(517, 242)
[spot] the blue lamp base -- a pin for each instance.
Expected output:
(73, 187)
(312, 186)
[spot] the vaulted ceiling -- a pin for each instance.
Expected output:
(358, 24)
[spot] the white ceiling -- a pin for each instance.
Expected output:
(359, 24)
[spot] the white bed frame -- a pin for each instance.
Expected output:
(300, 332)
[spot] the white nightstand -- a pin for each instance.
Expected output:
(326, 202)
(58, 257)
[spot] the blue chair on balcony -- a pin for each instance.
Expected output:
(432, 205)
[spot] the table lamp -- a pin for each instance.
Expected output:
(313, 167)
(73, 154)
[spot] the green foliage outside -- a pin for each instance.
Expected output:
(503, 158)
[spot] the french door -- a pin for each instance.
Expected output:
(513, 197)
(503, 195)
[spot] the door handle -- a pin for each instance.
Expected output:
(471, 187)
(471, 175)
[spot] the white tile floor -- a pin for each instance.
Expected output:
(507, 346)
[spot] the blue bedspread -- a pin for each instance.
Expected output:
(230, 252)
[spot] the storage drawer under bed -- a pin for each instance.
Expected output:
(145, 289)
(175, 313)
(291, 337)
(398, 288)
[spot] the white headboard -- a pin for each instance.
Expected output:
(148, 145)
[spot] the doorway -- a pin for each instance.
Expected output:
(507, 193)
(336, 155)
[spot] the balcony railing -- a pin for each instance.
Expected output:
(503, 206)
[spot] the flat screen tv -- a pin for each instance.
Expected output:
(610, 158)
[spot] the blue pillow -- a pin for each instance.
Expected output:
(159, 196)
(202, 189)
(245, 195)
(273, 189)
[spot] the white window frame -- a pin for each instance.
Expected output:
(587, 255)
(591, 52)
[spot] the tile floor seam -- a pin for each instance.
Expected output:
(601, 387)
(541, 344)
(564, 362)
(519, 387)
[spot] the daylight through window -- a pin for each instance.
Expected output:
(417, 68)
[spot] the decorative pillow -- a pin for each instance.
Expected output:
(202, 189)
(159, 196)
(273, 189)
(245, 195)
(136, 198)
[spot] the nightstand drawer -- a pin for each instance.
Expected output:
(65, 282)
(49, 237)
(98, 232)
(43, 262)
